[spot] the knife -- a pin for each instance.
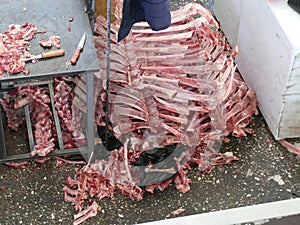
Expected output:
(78, 50)
(45, 55)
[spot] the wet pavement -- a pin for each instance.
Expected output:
(266, 172)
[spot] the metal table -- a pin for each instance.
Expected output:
(53, 17)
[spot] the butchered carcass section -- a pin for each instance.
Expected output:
(37, 100)
(171, 83)
(41, 100)
(173, 96)
(70, 116)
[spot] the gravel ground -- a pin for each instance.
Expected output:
(266, 172)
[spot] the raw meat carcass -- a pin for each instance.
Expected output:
(69, 115)
(40, 113)
(39, 102)
(180, 83)
(176, 87)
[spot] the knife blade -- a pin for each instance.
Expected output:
(78, 50)
(44, 55)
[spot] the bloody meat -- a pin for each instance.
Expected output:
(178, 85)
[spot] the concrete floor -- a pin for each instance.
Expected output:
(266, 172)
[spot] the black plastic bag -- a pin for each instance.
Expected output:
(295, 4)
(160, 158)
(112, 142)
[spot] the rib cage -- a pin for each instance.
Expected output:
(176, 86)
(189, 68)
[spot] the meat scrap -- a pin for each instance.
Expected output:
(14, 45)
(295, 149)
(177, 211)
(101, 179)
(60, 161)
(53, 41)
(45, 44)
(17, 164)
(224, 159)
(3, 188)
(84, 215)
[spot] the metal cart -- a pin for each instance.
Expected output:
(53, 16)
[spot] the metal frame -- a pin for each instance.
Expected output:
(91, 12)
(4, 157)
(54, 67)
(2, 143)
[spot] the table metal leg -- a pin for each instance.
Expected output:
(56, 119)
(29, 128)
(90, 113)
(2, 139)
(91, 13)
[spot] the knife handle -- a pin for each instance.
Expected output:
(76, 55)
(53, 53)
